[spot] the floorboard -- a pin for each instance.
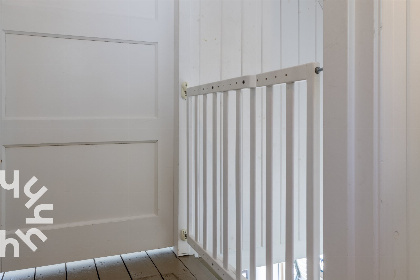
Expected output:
(197, 268)
(23, 274)
(51, 272)
(82, 270)
(169, 266)
(112, 268)
(161, 264)
(140, 266)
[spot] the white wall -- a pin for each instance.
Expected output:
(392, 165)
(351, 219)
(220, 39)
(399, 192)
(371, 132)
(413, 139)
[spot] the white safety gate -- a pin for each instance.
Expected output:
(213, 202)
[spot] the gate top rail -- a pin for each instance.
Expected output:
(225, 85)
(286, 75)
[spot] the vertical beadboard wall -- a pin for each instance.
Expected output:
(413, 139)
(221, 39)
(393, 164)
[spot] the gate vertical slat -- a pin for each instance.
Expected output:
(312, 173)
(253, 184)
(215, 174)
(205, 172)
(225, 180)
(238, 184)
(289, 180)
(197, 168)
(189, 163)
(269, 181)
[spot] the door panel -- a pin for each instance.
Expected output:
(136, 20)
(131, 190)
(71, 83)
(87, 108)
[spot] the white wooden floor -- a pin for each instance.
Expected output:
(149, 265)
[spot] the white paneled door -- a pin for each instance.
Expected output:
(87, 107)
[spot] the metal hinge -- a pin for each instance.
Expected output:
(184, 86)
(184, 235)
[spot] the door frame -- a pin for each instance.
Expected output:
(182, 72)
(348, 151)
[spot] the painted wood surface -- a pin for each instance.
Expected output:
(20, 274)
(111, 268)
(169, 266)
(140, 266)
(198, 268)
(367, 124)
(81, 270)
(151, 265)
(393, 261)
(261, 36)
(336, 139)
(51, 272)
(413, 139)
(97, 100)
